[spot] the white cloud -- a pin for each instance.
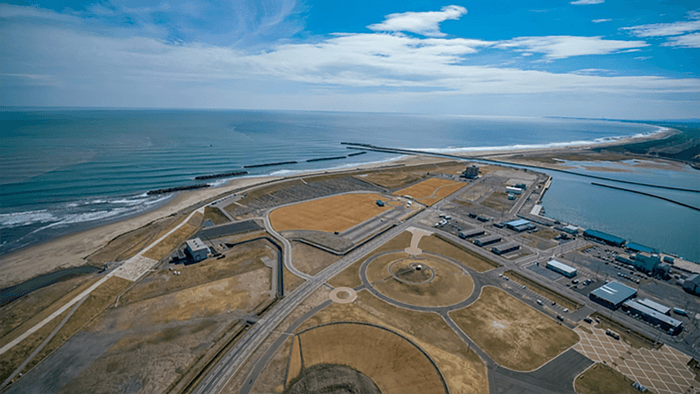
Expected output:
(586, 2)
(560, 47)
(686, 41)
(600, 20)
(424, 23)
(667, 29)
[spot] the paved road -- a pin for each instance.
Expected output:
(219, 376)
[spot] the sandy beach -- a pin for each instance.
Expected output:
(71, 250)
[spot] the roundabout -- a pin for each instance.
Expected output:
(427, 280)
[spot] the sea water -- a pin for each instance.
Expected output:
(66, 170)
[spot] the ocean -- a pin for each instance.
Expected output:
(70, 169)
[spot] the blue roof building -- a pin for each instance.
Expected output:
(640, 248)
(605, 237)
(612, 294)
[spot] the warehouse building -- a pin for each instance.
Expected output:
(667, 323)
(492, 239)
(612, 294)
(471, 234)
(561, 268)
(646, 262)
(513, 190)
(636, 248)
(506, 248)
(520, 225)
(573, 230)
(197, 249)
(604, 237)
(655, 306)
(692, 284)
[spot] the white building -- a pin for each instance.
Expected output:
(197, 249)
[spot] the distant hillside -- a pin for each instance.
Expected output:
(684, 146)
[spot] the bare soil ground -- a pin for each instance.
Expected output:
(515, 335)
(552, 295)
(462, 369)
(499, 201)
(350, 277)
(311, 260)
(164, 247)
(335, 213)
(448, 286)
(215, 215)
(332, 378)
(431, 190)
(241, 259)
(465, 256)
(291, 281)
(601, 379)
(392, 362)
(393, 179)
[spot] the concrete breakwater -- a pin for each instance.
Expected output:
(178, 189)
(357, 154)
(221, 175)
(326, 158)
(280, 163)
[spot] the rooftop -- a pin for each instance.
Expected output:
(655, 314)
(196, 244)
(614, 292)
(561, 266)
(516, 223)
(640, 248)
(604, 236)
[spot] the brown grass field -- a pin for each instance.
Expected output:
(164, 247)
(515, 335)
(392, 362)
(431, 190)
(473, 260)
(311, 260)
(215, 215)
(335, 213)
(462, 368)
(601, 379)
(350, 277)
(448, 286)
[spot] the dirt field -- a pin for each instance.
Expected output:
(393, 363)
(448, 286)
(601, 379)
(350, 277)
(335, 213)
(566, 302)
(311, 260)
(164, 247)
(431, 190)
(471, 259)
(515, 335)
(239, 260)
(463, 369)
(393, 179)
(499, 201)
(324, 378)
(215, 215)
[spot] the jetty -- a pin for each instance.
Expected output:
(221, 175)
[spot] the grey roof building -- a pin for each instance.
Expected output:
(612, 294)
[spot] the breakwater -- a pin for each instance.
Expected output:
(647, 194)
(326, 158)
(178, 189)
(280, 163)
(357, 154)
(221, 175)
(399, 151)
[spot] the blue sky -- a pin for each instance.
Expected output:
(586, 58)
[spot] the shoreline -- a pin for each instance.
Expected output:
(71, 250)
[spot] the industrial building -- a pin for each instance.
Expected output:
(197, 249)
(561, 268)
(667, 323)
(636, 248)
(573, 230)
(604, 237)
(666, 310)
(646, 262)
(513, 190)
(520, 225)
(612, 294)
(507, 248)
(692, 284)
(471, 172)
(492, 239)
(471, 234)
